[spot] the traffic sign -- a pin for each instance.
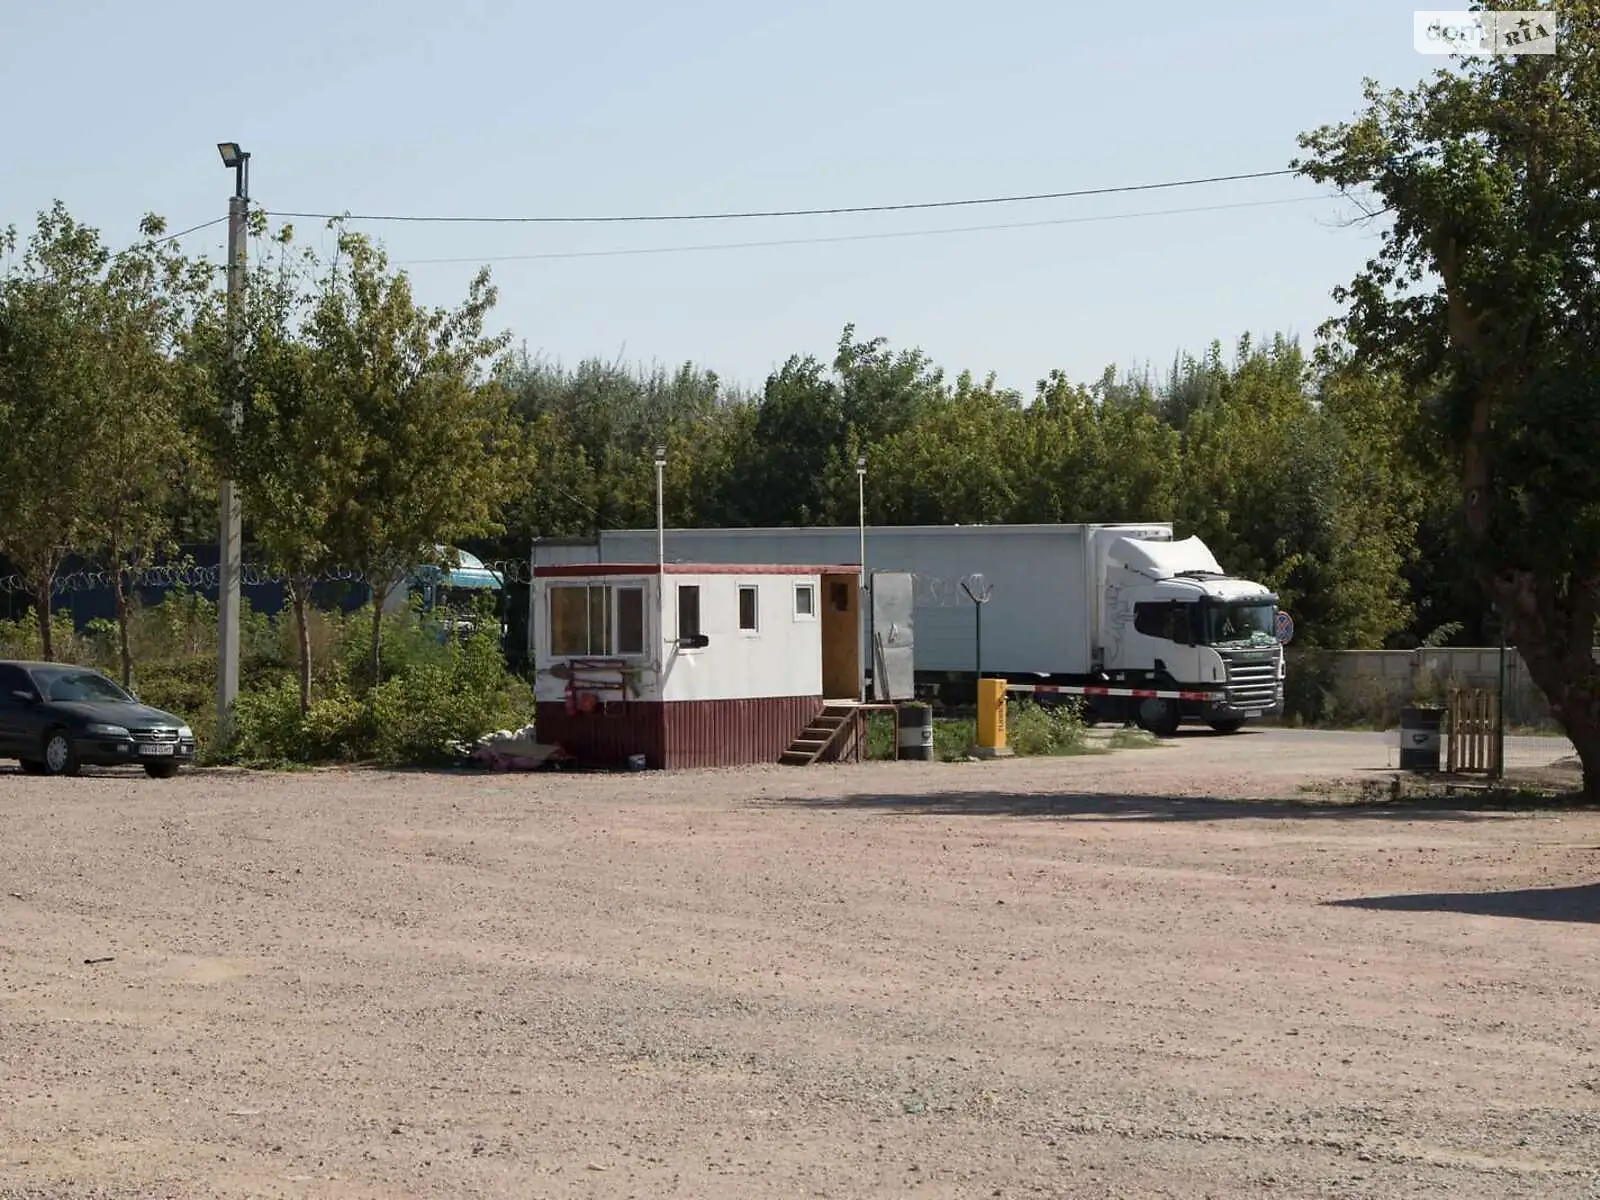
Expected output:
(1283, 627)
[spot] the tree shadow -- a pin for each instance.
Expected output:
(1578, 905)
(1087, 807)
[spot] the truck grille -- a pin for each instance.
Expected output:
(1252, 680)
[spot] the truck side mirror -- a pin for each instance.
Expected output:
(698, 642)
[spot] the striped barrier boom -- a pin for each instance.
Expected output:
(1050, 689)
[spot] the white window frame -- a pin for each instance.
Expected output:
(644, 618)
(677, 615)
(609, 639)
(743, 587)
(806, 586)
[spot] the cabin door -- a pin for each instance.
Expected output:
(841, 637)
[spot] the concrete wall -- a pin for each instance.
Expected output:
(1372, 686)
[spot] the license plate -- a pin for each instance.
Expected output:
(1255, 712)
(160, 749)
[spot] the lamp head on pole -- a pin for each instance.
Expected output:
(661, 456)
(237, 160)
(861, 465)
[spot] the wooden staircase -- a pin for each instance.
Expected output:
(831, 735)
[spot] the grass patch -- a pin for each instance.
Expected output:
(1133, 739)
(1031, 730)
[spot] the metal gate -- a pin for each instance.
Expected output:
(893, 660)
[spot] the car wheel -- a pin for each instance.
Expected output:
(161, 770)
(59, 757)
(32, 766)
(1227, 726)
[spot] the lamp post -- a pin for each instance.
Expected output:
(229, 552)
(661, 542)
(861, 520)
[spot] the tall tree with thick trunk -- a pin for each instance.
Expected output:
(1487, 289)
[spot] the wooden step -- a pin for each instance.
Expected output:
(826, 735)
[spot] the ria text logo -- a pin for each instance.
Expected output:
(1446, 31)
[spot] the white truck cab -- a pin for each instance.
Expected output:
(1172, 619)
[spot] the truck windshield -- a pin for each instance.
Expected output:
(1246, 624)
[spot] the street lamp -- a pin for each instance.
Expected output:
(229, 554)
(861, 519)
(661, 546)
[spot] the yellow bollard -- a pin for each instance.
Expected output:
(992, 719)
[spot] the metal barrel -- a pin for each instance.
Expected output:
(1420, 739)
(916, 733)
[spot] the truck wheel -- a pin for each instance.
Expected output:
(1159, 717)
(1227, 726)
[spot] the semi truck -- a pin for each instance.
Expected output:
(1142, 627)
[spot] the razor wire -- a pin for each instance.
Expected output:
(194, 576)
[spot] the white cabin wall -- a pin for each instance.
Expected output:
(549, 689)
(783, 658)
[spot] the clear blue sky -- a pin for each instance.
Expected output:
(478, 107)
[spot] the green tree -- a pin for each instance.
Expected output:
(1485, 287)
(297, 447)
(139, 442)
(434, 453)
(52, 355)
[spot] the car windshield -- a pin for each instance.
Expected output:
(79, 685)
(1247, 624)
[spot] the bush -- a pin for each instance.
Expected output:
(1034, 729)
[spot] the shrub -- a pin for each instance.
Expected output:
(1034, 729)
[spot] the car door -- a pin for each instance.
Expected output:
(14, 713)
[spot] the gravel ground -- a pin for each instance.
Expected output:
(1026, 978)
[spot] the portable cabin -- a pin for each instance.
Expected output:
(691, 664)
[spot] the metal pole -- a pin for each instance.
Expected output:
(861, 520)
(661, 549)
(977, 612)
(1500, 733)
(229, 552)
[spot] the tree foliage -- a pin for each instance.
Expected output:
(1485, 294)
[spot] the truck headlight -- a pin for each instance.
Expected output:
(116, 731)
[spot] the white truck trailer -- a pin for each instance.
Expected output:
(1143, 627)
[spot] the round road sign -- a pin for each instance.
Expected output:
(1283, 627)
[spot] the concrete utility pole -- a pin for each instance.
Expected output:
(864, 594)
(230, 555)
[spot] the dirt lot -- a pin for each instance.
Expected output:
(1010, 979)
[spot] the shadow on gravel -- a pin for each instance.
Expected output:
(1576, 905)
(1126, 808)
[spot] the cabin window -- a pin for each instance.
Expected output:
(749, 607)
(688, 611)
(805, 601)
(596, 619)
(580, 620)
(630, 620)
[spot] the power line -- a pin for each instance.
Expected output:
(790, 212)
(172, 237)
(858, 237)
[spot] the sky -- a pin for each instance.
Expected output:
(482, 108)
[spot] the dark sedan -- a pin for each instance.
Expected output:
(56, 718)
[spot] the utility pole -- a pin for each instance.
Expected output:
(229, 551)
(863, 594)
(661, 552)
